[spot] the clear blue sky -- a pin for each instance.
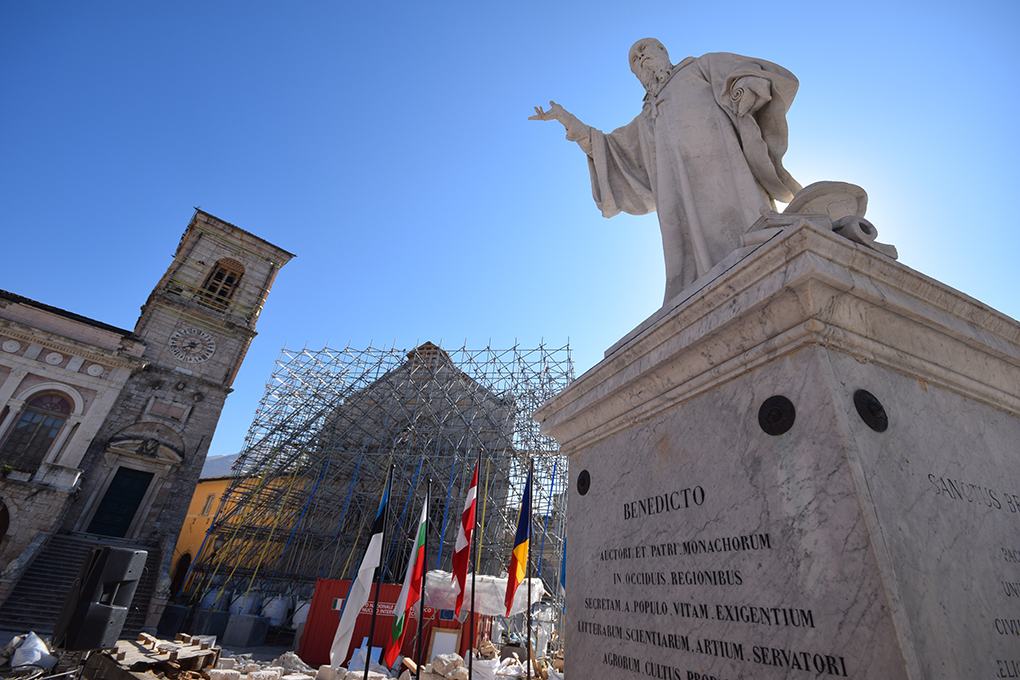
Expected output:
(388, 146)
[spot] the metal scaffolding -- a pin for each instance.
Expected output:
(307, 485)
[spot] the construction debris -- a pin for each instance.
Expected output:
(487, 650)
(148, 657)
(443, 667)
(198, 658)
(27, 650)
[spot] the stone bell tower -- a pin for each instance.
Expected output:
(197, 325)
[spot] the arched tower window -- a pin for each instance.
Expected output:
(32, 436)
(221, 283)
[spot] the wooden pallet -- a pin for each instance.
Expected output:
(149, 657)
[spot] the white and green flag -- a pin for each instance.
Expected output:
(412, 590)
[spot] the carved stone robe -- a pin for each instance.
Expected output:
(691, 158)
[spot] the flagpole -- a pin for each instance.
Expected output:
(424, 575)
(476, 537)
(527, 570)
(379, 571)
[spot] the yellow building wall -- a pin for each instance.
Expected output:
(204, 504)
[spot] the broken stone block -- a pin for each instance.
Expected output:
(223, 674)
(292, 662)
(443, 664)
(263, 675)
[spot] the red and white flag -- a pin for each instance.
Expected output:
(462, 550)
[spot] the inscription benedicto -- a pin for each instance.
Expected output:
(664, 502)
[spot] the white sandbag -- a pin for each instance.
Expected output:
(33, 652)
(511, 668)
(490, 591)
(484, 669)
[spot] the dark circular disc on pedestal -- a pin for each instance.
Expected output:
(776, 415)
(583, 482)
(871, 411)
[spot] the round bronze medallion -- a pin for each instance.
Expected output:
(583, 482)
(776, 415)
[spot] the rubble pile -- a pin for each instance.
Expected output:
(453, 667)
(487, 651)
(289, 666)
(375, 672)
(443, 667)
(198, 658)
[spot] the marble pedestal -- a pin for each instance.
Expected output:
(701, 545)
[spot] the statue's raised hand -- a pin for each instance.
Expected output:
(576, 130)
(555, 112)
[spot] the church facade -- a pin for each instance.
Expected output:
(103, 431)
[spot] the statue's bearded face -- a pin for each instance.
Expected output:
(650, 63)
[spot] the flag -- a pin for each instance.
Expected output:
(462, 551)
(519, 557)
(411, 591)
(563, 574)
(361, 586)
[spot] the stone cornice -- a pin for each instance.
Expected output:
(20, 332)
(806, 287)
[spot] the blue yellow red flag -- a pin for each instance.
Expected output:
(519, 557)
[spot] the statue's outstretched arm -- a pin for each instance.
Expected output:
(576, 130)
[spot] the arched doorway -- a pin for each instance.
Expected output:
(5, 520)
(180, 573)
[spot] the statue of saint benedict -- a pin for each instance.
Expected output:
(705, 153)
